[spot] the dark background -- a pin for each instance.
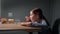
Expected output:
(21, 8)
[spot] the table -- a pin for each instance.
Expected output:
(12, 27)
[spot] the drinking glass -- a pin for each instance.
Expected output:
(17, 21)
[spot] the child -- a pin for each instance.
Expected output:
(37, 19)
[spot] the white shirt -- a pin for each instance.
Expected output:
(43, 22)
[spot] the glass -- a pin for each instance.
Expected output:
(17, 21)
(10, 20)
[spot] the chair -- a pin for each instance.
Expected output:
(55, 27)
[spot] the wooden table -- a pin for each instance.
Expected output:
(4, 27)
(14, 27)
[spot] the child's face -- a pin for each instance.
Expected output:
(33, 17)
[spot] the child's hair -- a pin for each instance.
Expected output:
(39, 12)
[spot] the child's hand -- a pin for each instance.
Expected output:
(27, 19)
(25, 24)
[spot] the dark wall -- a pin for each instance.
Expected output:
(21, 8)
(56, 11)
(0, 8)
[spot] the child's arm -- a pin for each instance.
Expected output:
(25, 24)
(43, 23)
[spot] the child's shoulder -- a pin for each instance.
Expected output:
(43, 21)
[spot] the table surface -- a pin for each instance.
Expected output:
(16, 27)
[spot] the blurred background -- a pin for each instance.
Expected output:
(18, 9)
